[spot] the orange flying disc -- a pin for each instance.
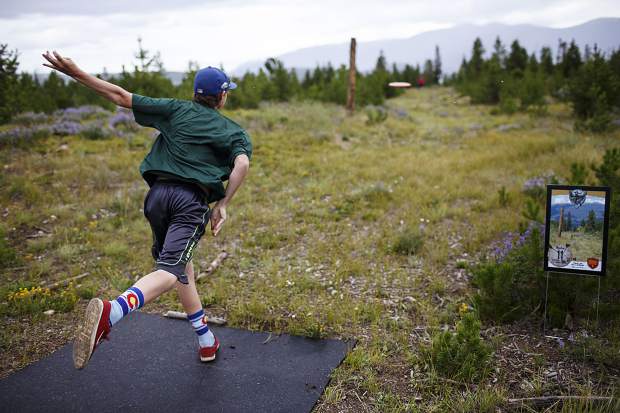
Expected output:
(399, 84)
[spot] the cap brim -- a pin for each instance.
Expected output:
(232, 85)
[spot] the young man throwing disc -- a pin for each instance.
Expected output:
(198, 148)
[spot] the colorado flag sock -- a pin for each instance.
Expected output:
(199, 322)
(130, 300)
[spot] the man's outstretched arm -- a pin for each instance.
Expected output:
(111, 92)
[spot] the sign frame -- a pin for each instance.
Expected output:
(607, 191)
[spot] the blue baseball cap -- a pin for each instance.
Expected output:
(212, 81)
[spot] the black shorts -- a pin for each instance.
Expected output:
(178, 214)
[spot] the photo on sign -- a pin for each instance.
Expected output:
(576, 229)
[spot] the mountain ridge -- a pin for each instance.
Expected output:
(454, 44)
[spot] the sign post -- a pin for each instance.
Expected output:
(576, 231)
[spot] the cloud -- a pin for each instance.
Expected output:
(94, 8)
(103, 34)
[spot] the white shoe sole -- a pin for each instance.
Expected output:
(86, 332)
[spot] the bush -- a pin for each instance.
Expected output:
(34, 300)
(95, 131)
(462, 355)
(408, 243)
(511, 285)
(8, 257)
(593, 92)
(376, 115)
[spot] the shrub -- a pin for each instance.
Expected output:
(79, 113)
(30, 118)
(593, 93)
(462, 355)
(504, 197)
(95, 131)
(123, 121)
(509, 286)
(34, 300)
(578, 174)
(8, 258)
(408, 243)
(376, 115)
(66, 127)
(21, 136)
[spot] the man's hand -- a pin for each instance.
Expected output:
(62, 64)
(111, 92)
(218, 217)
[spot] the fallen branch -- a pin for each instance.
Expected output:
(213, 266)
(66, 282)
(546, 400)
(183, 316)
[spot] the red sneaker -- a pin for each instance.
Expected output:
(95, 327)
(208, 353)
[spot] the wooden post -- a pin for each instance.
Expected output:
(351, 91)
(560, 223)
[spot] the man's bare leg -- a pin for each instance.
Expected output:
(187, 292)
(193, 307)
(155, 284)
(102, 314)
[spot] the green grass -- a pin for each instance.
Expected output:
(342, 229)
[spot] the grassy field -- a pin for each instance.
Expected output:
(316, 236)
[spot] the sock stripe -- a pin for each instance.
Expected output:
(198, 314)
(121, 301)
(139, 294)
(203, 330)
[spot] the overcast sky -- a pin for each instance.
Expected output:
(98, 34)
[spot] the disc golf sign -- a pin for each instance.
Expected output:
(576, 227)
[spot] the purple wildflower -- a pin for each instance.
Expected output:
(66, 127)
(511, 241)
(30, 118)
(124, 119)
(23, 134)
(79, 113)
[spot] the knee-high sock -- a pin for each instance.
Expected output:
(129, 301)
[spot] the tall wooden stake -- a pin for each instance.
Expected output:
(561, 222)
(351, 91)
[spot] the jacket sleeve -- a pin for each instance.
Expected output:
(152, 112)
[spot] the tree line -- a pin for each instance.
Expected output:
(22, 92)
(516, 80)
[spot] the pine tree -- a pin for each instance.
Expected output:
(593, 91)
(396, 75)
(546, 61)
(561, 52)
(499, 52)
(8, 83)
(517, 59)
(381, 65)
(532, 63)
(476, 61)
(572, 60)
(280, 79)
(437, 66)
(429, 72)
(587, 53)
